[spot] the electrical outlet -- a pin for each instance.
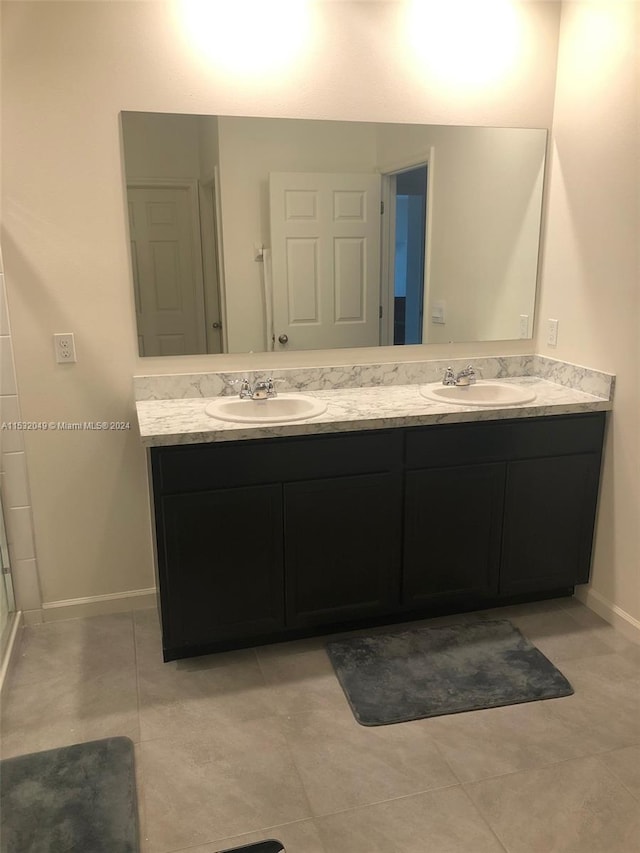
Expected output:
(65, 348)
(524, 326)
(552, 333)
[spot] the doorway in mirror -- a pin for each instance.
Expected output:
(410, 228)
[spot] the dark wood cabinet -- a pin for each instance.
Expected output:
(548, 524)
(222, 569)
(342, 548)
(453, 523)
(266, 539)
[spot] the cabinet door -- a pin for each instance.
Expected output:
(220, 565)
(550, 507)
(342, 548)
(453, 522)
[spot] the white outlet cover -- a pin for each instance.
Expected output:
(65, 348)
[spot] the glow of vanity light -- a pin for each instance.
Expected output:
(247, 37)
(598, 36)
(463, 42)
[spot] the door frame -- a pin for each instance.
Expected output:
(213, 268)
(388, 238)
(191, 186)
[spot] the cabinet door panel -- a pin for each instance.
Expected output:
(342, 548)
(548, 528)
(452, 532)
(224, 553)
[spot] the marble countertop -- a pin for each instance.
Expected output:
(184, 421)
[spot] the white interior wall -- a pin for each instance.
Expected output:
(68, 70)
(591, 270)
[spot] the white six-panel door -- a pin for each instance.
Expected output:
(167, 269)
(325, 241)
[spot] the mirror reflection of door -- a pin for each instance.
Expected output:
(409, 256)
(325, 240)
(167, 271)
(174, 263)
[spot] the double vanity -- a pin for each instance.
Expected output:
(367, 494)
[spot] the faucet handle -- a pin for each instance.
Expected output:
(271, 385)
(245, 386)
(472, 372)
(449, 376)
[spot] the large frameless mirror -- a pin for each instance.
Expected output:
(258, 234)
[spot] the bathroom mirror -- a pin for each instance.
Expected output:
(255, 234)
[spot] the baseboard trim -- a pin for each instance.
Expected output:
(613, 614)
(11, 652)
(94, 605)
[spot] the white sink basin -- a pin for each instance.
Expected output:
(280, 409)
(481, 393)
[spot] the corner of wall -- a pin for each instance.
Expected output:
(14, 482)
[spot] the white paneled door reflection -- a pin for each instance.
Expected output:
(167, 269)
(325, 239)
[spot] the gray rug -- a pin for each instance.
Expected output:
(405, 675)
(76, 799)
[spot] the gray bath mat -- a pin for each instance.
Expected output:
(76, 799)
(405, 675)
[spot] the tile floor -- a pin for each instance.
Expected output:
(244, 745)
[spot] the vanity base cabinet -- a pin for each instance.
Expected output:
(548, 524)
(221, 561)
(264, 540)
(258, 539)
(453, 521)
(342, 548)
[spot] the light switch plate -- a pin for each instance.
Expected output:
(552, 333)
(438, 313)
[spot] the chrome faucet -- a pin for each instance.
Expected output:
(262, 389)
(467, 376)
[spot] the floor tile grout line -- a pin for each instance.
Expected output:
(507, 848)
(142, 824)
(240, 834)
(537, 767)
(486, 821)
(359, 806)
(296, 769)
(442, 755)
(135, 661)
(613, 776)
